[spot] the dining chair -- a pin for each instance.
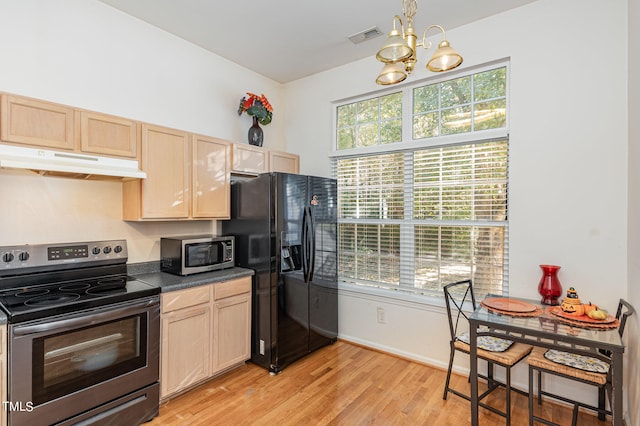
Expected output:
(590, 370)
(493, 350)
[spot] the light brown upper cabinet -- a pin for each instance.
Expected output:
(249, 159)
(187, 177)
(210, 190)
(108, 135)
(37, 123)
(253, 160)
(284, 162)
(164, 194)
(43, 124)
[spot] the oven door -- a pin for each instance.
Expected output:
(62, 366)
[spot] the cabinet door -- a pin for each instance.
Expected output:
(232, 331)
(108, 135)
(284, 162)
(210, 178)
(249, 159)
(186, 345)
(165, 158)
(37, 123)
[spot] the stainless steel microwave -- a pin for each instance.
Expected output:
(196, 253)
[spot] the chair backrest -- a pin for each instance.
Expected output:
(456, 295)
(622, 316)
(625, 310)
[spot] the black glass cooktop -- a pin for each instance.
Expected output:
(38, 301)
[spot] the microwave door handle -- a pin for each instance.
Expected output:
(83, 320)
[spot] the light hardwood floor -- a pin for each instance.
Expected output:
(342, 384)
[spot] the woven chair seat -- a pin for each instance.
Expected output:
(537, 359)
(511, 356)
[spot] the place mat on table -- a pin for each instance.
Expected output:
(555, 312)
(535, 313)
(508, 304)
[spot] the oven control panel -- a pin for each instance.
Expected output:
(37, 255)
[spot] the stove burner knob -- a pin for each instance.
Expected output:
(95, 250)
(117, 249)
(24, 256)
(7, 257)
(106, 250)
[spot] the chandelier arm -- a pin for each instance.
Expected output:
(399, 19)
(424, 36)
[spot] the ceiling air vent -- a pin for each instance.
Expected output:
(365, 35)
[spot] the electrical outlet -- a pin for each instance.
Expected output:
(261, 347)
(382, 316)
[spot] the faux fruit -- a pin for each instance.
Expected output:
(588, 307)
(597, 314)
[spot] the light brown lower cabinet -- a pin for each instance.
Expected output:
(205, 331)
(231, 324)
(186, 340)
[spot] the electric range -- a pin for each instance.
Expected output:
(83, 336)
(41, 280)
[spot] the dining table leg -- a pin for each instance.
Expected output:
(473, 374)
(616, 384)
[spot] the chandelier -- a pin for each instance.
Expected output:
(399, 52)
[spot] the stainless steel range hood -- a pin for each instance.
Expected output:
(68, 164)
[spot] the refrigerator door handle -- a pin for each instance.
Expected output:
(305, 253)
(312, 251)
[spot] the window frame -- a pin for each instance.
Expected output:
(408, 144)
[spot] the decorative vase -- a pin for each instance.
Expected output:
(255, 133)
(550, 288)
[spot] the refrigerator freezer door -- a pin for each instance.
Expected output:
(250, 224)
(292, 307)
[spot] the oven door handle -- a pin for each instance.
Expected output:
(84, 320)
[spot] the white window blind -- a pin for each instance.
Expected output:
(422, 184)
(419, 219)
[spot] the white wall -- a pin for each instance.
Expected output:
(633, 331)
(89, 55)
(568, 158)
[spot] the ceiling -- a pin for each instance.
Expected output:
(287, 39)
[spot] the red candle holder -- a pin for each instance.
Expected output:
(550, 288)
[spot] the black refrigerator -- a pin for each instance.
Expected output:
(285, 228)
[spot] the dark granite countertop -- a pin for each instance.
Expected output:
(150, 273)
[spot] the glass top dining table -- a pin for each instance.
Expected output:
(545, 329)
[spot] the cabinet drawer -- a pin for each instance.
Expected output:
(231, 288)
(185, 298)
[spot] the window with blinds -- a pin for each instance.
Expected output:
(416, 219)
